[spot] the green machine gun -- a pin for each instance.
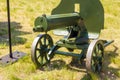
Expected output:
(82, 27)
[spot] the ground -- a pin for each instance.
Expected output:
(23, 14)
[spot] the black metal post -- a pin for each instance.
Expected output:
(9, 30)
(12, 56)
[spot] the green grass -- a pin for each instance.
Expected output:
(3, 45)
(23, 14)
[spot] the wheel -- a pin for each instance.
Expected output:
(94, 56)
(40, 48)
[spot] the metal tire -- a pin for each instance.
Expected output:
(40, 49)
(94, 56)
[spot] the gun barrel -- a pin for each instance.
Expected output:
(46, 23)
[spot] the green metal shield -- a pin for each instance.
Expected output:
(91, 11)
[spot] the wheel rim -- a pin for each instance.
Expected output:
(40, 47)
(94, 56)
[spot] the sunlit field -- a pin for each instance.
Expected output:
(23, 14)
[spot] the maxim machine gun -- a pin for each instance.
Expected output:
(83, 29)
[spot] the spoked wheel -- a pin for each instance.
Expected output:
(94, 56)
(40, 48)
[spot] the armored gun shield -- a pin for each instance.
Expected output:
(91, 11)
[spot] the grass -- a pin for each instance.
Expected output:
(3, 46)
(23, 13)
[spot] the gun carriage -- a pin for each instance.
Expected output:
(83, 31)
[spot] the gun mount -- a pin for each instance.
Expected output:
(83, 28)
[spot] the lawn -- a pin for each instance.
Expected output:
(23, 14)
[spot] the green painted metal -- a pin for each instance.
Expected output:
(40, 47)
(84, 20)
(46, 23)
(90, 10)
(72, 46)
(68, 54)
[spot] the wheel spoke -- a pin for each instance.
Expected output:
(40, 50)
(46, 57)
(38, 57)
(99, 67)
(41, 60)
(44, 40)
(40, 42)
(48, 46)
(95, 55)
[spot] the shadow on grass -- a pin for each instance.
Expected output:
(60, 64)
(15, 33)
(56, 64)
(108, 72)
